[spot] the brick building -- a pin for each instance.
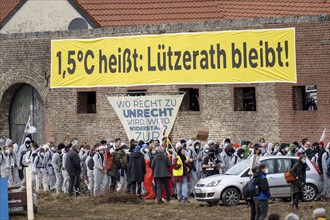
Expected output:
(275, 111)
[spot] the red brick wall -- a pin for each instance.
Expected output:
(313, 68)
(27, 57)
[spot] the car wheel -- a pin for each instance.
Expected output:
(309, 193)
(230, 197)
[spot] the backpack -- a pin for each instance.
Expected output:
(34, 156)
(108, 164)
(90, 164)
(50, 155)
(22, 160)
(2, 157)
(289, 178)
(250, 189)
(37, 162)
(123, 159)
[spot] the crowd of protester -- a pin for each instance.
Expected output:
(151, 170)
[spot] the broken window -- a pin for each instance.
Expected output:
(245, 99)
(190, 100)
(86, 102)
(304, 98)
(141, 92)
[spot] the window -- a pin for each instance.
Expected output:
(86, 102)
(141, 92)
(283, 165)
(244, 99)
(190, 100)
(270, 165)
(304, 98)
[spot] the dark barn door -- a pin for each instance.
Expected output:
(24, 97)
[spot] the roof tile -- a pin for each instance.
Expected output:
(144, 12)
(6, 7)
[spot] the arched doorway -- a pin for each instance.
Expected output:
(20, 109)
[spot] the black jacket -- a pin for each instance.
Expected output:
(262, 183)
(72, 164)
(136, 168)
(160, 165)
(298, 170)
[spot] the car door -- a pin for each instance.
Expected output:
(283, 188)
(270, 164)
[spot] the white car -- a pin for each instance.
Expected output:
(228, 187)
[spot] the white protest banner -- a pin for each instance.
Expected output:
(140, 115)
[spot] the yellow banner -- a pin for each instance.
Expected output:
(247, 56)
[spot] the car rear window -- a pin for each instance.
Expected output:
(283, 165)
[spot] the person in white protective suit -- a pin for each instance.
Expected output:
(50, 174)
(4, 161)
(28, 160)
(57, 165)
(100, 178)
(90, 168)
(21, 155)
(66, 177)
(83, 153)
(38, 168)
(326, 172)
(2, 150)
(195, 160)
(45, 182)
(11, 166)
(13, 178)
(226, 157)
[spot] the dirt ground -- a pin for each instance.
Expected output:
(108, 207)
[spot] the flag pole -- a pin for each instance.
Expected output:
(27, 124)
(323, 135)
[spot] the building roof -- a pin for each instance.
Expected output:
(107, 13)
(8, 8)
(240, 9)
(143, 12)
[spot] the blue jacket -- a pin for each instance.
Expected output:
(262, 183)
